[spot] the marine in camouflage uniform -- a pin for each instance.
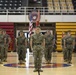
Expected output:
(7, 40)
(21, 44)
(37, 43)
(49, 44)
(69, 45)
(63, 47)
(1, 46)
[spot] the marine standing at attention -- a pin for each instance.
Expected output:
(37, 43)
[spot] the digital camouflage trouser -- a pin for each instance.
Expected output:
(37, 53)
(21, 52)
(69, 49)
(5, 50)
(64, 53)
(48, 52)
(1, 52)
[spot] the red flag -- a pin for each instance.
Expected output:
(30, 28)
(38, 19)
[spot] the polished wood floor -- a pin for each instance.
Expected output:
(60, 67)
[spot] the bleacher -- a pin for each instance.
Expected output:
(74, 4)
(60, 6)
(19, 7)
(44, 3)
(10, 4)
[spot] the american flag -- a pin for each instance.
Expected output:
(30, 27)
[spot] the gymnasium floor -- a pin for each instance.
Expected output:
(57, 66)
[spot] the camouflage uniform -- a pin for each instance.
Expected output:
(21, 48)
(49, 43)
(69, 47)
(1, 46)
(63, 48)
(37, 40)
(6, 37)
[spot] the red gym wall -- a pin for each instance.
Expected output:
(9, 27)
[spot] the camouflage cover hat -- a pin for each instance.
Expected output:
(21, 31)
(69, 31)
(3, 30)
(65, 32)
(37, 26)
(0, 29)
